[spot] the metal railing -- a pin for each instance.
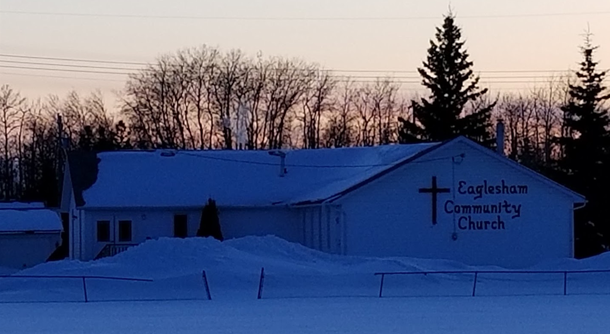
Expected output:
(113, 249)
(476, 274)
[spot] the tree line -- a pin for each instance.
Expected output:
(203, 98)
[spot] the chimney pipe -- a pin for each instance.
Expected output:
(282, 156)
(500, 137)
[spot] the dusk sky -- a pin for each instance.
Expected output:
(381, 35)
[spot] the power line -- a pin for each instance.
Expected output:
(73, 59)
(288, 165)
(144, 64)
(80, 60)
(123, 81)
(64, 65)
(339, 76)
(254, 18)
(356, 80)
(61, 70)
(59, 77)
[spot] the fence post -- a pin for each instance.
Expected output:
(207, 286)
(381, 285)
(260, 283)
(85, 288)
(474, 285)
(565, 283)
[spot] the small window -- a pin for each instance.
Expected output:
(103, 231)
(124, 230)
(180, 226)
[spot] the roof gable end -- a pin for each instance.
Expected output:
(578, 198)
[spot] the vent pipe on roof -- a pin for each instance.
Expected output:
(282, 156)
(167, 153)
(500, 137)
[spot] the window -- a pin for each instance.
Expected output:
(124, 230)
(180, 226)
(103, 231)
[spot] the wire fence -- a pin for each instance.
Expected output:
(542, 280)
(83, 288)
(90, 288)
(434, 284)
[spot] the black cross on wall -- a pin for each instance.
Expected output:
(435, 190)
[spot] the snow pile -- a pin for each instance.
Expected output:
(172, 257)
(233, 269)
(29, 220)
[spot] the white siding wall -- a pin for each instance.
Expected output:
(27, 250)
(154, 224)
(322, 228)
(389, 217)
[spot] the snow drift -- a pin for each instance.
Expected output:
(291, 270)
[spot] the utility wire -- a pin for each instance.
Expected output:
(67, 65)
(59, 77)
(339, 76)
(73, 59)
(61, 70)
(356, 80)
(329, 70)
(411, 89)
(254, 18)
(301, 165)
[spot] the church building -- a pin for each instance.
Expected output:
(451, 200)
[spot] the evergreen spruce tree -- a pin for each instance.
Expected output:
(448, 74)
(586, 147)
(210, 223)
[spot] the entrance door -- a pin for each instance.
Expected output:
(115, 234)
(115, 230)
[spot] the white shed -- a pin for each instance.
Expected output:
(29, 234)
(452, 200)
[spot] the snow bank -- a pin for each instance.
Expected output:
(171, 257)
(292, 271)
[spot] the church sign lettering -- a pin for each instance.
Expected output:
(480, 206)
(488, 189)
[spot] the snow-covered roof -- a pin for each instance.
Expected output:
(21, 205)
(29, 220)
(233, 178)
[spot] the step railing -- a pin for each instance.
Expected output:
(113, 249)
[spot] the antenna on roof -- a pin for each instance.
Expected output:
(282, 156)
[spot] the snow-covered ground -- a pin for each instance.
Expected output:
(304, 292)
(482, 315)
